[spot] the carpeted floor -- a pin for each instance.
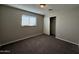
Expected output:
(42, 44)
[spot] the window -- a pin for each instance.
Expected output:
(28, 20)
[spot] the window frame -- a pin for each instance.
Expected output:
(28, 21)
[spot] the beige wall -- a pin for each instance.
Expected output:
(67, 25)
(10, 25)
(46, 25)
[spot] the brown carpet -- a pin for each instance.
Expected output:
(42, 44)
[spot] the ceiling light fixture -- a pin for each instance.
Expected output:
(42, 5)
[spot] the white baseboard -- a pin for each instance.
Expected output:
(20, 39)
(67, 41)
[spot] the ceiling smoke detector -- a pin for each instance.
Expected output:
(50, 9)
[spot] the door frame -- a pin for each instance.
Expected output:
(55, 25)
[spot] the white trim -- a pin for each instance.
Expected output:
(67, 41)
(20, 39)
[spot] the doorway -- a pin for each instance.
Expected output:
(53, 26)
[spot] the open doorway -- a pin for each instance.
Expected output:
(53, 26)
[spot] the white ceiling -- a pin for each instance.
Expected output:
(36, 7)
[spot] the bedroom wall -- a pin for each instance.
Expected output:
(67, 25)
(10, 25)
(46, 25)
